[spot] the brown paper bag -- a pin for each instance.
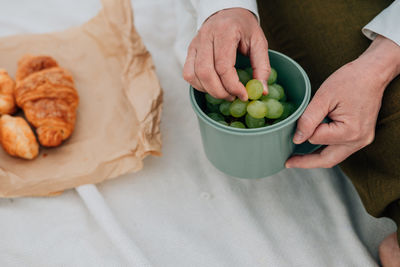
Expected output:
(119, 111)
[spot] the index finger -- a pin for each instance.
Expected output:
(224, 61)
(259, 59)
(314, 114)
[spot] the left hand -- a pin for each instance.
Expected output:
(351, 97)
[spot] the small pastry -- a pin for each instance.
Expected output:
(7, 87)
(17, 137)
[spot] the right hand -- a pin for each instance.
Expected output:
(210, 63)
(389, 251)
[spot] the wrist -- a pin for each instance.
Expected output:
(383, 55)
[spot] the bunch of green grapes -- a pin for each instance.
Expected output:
(259, 111)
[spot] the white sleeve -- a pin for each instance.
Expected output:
(387, 24)
(205, 8)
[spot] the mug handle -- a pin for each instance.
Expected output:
(307, 147)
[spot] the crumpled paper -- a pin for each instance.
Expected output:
(120, 105)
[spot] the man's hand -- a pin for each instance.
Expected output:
(389, 251)
(210, 62)
(351, 97)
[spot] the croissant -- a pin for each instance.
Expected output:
(7, 86)
(48, 97)
(17, 137)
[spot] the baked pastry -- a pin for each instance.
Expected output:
(29, 64)
(7, 87)
(17, 138)
(47, 95)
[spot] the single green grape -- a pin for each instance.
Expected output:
(275, 108)
(257, 109)
(237, 124)
(244, 77)
(238, 108)
(288, 109)
(211, 107)
(216, 116)
(249, 70)
(254, 89)
(224, 123)
(280, 90)
(224, 108)
(272, 76)
(212, 100)
(252, 122)
(273, 92)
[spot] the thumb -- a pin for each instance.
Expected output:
(259, 59)
(314, 114)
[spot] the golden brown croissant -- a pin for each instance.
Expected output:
(48, 97)
(7, 87)
(29, 64)
(17, 138)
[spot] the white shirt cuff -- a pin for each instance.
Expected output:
(206, 8)
(387, 24)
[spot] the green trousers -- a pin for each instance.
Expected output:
(323, 36)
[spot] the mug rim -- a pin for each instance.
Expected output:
(261, 130)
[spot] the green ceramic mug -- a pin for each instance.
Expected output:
(259, 152)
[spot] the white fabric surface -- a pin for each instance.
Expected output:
(179, 210)
(386, 24)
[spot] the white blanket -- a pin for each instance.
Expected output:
(179, 210)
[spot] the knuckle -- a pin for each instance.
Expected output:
(265, 39)
(193, 44)
(369, 139)
(263, 69)
(262, 42)
(203, 72)
(312, 140)
(189, 77)
(234, 91)
(227, 31)
(226, 24)
(219, 94)
(221, 67)
(203, 31)
(267, 68)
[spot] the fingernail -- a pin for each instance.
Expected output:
(288, 165)
(265, 85)
(298, 137)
